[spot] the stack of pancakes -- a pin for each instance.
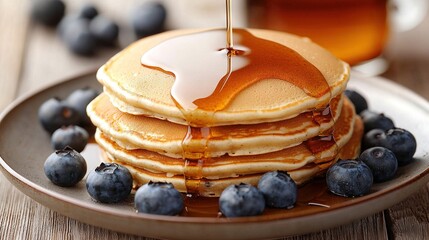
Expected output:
(270, 125)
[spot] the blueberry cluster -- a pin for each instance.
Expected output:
(83, 31)
(275, 189)
(68, 124)
(385, 147)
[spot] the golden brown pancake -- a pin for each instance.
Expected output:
(141, 90)
(164, 137)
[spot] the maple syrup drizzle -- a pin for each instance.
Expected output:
(208, 77)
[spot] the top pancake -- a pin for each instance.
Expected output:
(141, 90)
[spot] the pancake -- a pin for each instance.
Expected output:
(288, 159)
(164, 137)
(137, 89)
(211, 186)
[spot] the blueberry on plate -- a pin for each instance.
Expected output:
(402, 143)
(48, 12)
(77, 36)
(109, 183)
(374, 120)
(349, 178)
(158, 198)
(105, 30)
(148, 19)
(54, 113)
(279, 189)
(357, 99)
(72, 136)
(88, 11)
(381, 161)
(373, 138)
(241, 200)
(79, 100)
(65, 167)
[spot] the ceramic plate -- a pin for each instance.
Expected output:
(24, 146)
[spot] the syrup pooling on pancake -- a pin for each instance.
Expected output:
(200, 66)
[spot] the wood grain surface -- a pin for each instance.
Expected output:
(32, 56)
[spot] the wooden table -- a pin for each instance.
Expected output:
(32, 56)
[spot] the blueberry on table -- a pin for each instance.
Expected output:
(349, 178)
(72, 136)
(148, 19)
(109, 183)
(88, 11)
(48, 12)
(381, 161)
(77, 36)
(279, 189)
(79, 100)
(65, 167)
(241, 200)
(54, 113)
(104, 30)
(158, 198)
(357, 99)
(402, 143)
(374, 120)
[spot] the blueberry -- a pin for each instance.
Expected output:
(148, 19)
(373, 138)
(349, 178)
(357, 99)
(109, 183)
(79, 100)
(77, 36)
(402, 143)
(65, 167)
(159, 198)
(88, 11)
(72, 136)
(241, 200)
(64, 23)
(373, 120)
(55, 113)
(382, 163)
(104, 30)
(48, 12)
(279, 189)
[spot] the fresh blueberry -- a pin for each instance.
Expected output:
(349, 178)
(241, 200)
(373, 138)
(55, 113)
(72, 136)
(64, 23)
(48, 12)
(373, 120)
(402, 143)
(279, 189)
(109, 183)
(382, 163)
(65, 167)
(104, 30)
(357, 99)
(158, 198)
(79, 100)
(88, 11)
(148, 19)
(77, 36)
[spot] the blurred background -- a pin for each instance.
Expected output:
(35, 53)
